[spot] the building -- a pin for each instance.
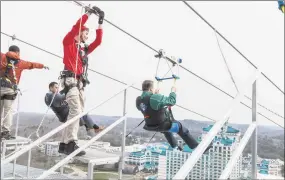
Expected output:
(147, 158)
(210, 165)
(272, 167)
(132, 148)
(51, 148)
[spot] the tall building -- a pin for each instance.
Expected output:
(147, 158)
(271, 167)
(210, 165)
(51, 148)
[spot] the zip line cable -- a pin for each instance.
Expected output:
(224, 58)
(135, 38)
(107, 76)
(132, 86)
(190, 7)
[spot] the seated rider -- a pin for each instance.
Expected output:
(159, 119)
(61, 109)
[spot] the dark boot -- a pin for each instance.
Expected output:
(7, 136)
(180, 148)
(72, 146)
(170, 138)
(187, 138)
(61, 147)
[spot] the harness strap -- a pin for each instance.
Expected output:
(171, 114)
(5, 82)
(9, 97)
(84, 59)
(10, 66)
(65, 74)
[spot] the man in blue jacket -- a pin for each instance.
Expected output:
(61, 109)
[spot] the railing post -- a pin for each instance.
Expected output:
(3, 153)
(29, 164)
(90, 171)
(16, 132)
(121, 163)
(61, 169)
(254, 135)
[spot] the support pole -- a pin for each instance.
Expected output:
(121, 164)
(3, 150)
(16, 131)
(61, 169)
(29, 164)
(254, 135)
(90, 171)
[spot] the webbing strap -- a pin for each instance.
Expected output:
(9, 97)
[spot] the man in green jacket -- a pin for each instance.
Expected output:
(160, 119)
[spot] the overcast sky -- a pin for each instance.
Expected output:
(255, 28)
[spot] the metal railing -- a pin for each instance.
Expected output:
(64, 125)
(250, 132)
(183, 172)
(199, 150)
(66, 159)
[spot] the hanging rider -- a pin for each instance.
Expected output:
(160, 119)
(61, 109)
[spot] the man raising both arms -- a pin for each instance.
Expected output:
(74, 76)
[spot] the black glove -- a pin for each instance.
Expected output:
(100, 13)
(96, 9)
(101, 17)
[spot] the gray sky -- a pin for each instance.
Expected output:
(255, 28)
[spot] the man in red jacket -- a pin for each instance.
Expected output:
(11, 67)
(74, 75)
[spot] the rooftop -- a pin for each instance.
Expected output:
(229, 130)
(21, 170)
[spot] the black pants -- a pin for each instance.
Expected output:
(182, 132)
(174, 127)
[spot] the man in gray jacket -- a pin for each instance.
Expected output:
(61, 109)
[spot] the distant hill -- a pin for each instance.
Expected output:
(33, 119)
(270, 139)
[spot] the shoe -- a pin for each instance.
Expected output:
(101, 128)
(7, 136)
(61, 148)
(180, 148)
(71, 147)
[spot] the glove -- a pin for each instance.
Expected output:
(100, 13)
(45, 67)
(96, 9)
(101, 17)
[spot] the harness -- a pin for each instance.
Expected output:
(83, 77)
(6, 82)
(155, 120)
